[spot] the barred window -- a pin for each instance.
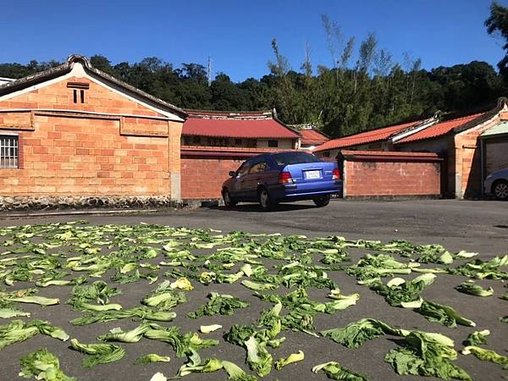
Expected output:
(9, 151)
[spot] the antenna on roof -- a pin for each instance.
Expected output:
(209, 71)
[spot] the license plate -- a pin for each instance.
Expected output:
(311, 175)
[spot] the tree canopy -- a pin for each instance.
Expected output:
(498, 22)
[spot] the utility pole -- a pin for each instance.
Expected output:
(209, 71)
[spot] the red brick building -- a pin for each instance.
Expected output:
(455, 141)
(75, 135)
(237, 129)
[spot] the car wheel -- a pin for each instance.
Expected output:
(228, 201)
(500, 190)
(265, 200)
(322, 201)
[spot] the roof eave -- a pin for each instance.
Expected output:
(125, 86)
(66, 67)
(276, 119)
(35, 79)
(501, 104)
(239, 136)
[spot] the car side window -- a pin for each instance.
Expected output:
(244, 168)
(259, 167)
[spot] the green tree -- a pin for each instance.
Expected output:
(498, 22)
(225, 95)
(192, 90)
(102, 63)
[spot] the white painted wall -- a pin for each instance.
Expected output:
(283, 143)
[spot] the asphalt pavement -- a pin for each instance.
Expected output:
(479, 226)
(457, 224)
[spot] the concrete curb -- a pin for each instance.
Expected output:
(4, 216)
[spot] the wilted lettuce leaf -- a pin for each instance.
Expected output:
(15, 332)
(258, 358)
(98, 353)
(43, 365)
(152, 357)
(27, 296)
(132, 336)
(49, 329)
(372, 267)
(98, 292)
(486, 355)
(479, 269)
(335, 371)
(209, 328)
(7, 313)
(355, 334)
(219, 304)
(471, 288)
(209, 366)
(136, 312)
(164, 297)
(256, 340)
(443, 314)
(292, 358)
(18, 330)
(159, 377)
(429, 355)
(183, 345)
(259, 286)
(182, 284)
(399, 292)
(477, 338)
(235, 373)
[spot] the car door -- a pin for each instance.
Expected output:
(237, 189)
(254, 178)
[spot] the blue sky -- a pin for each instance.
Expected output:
(237, 34)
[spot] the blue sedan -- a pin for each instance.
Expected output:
(282, 177)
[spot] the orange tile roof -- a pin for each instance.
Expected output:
(439, 129)
(365, 137)
(312, 137)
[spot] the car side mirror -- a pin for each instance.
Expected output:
(232, 173)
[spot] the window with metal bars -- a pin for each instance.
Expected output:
(9, 151)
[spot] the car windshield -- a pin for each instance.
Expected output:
(286, 158)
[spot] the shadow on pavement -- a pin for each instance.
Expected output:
(256, 208)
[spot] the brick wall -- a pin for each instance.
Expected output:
(468, 161)
(204, 169)
(202, 178)
(391, 174)
(109, 145)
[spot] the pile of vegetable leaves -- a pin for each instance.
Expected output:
(142, 278)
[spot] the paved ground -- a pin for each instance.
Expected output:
(474, 226)
(471, 225)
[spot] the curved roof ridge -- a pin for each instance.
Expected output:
(67, 66)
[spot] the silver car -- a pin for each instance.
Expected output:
(497, 184)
